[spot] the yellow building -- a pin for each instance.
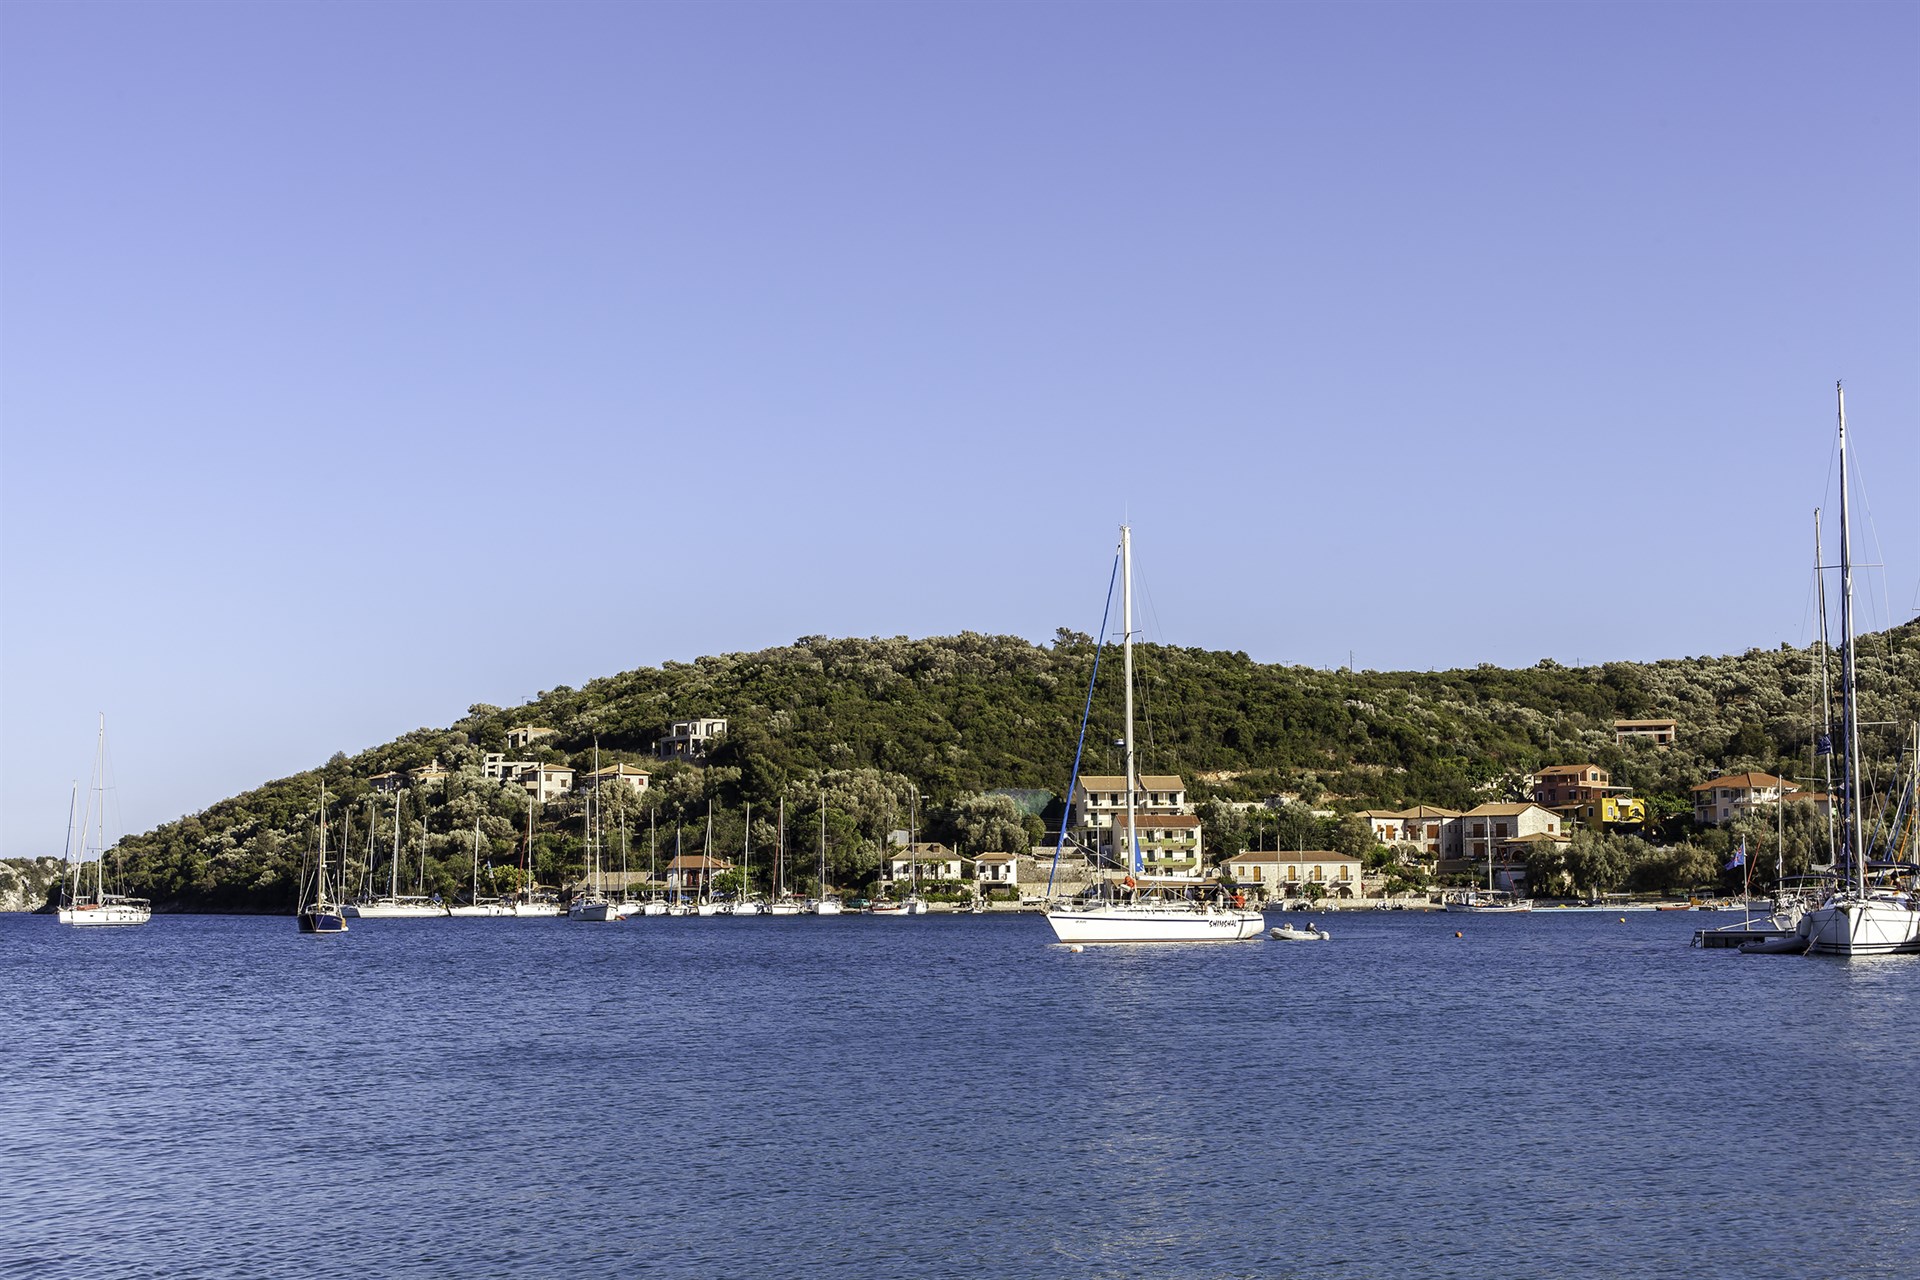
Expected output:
(1612, 811)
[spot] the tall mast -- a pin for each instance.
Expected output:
(746, 855)
(653, 852)
(1126, 649)
(780, 854)
(320, 883)
(1849, 710)
(73, 810)
(1826, 691)
(393, 874)
(100, 783)
(593, 805)
(823, 844)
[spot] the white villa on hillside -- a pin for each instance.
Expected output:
(633, 776)
(545, 781)
(1719, 801)
(691, 739)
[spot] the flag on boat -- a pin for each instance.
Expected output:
(1823, 745)
(1739, 858)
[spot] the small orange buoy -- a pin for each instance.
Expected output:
(1623, 919)
(1458, 934)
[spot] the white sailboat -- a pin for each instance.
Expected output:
(394, 905)
(627, 906)
(826, 903)
(88, 905)
(477, 907)
(655, 905)
(748, 903)
(705, 905)
(1871, 910)
(530, 903)
(593, 906)
(784, 903)
(1118, 912)
(321, 914)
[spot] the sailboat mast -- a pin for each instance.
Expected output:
(73, 810)
(746, 855)
(1126, 650)
(780, 854)
(393, 873)
(320, 882)
(1826, 688)
(823, 844)
(100, 783)
(1849, 692)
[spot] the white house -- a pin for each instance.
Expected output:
(691, 739)
(1434, 831)
(632, 776)
(1287, 873)
(924, 862)
(1487, 830)
(996, 870)
(1719, 801)
(545, 781)
(1167, 832)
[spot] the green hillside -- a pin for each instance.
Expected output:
(863, 722)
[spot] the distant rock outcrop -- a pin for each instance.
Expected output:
(25, 882)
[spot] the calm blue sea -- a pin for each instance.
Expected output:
(1564, 1094)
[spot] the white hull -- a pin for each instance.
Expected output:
(481, 911)
(748, 909)
(1849, 925)
(1287, 933)
(111, 913)
(1144, 922)
(654, 908)
(538, 910)
(593, 912)
(829, 907)
(707, 909)
(683, 909)
(784, 909)
(420, 910)
(627, 909)
(915, 907)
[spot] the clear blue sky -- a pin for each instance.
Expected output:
(360, 362)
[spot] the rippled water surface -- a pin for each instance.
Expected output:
(949, 1096)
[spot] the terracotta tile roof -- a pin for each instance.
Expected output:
(1148, 782)
(1749, 781)
(1289, 855)
(1503, 810)
(1561, 770)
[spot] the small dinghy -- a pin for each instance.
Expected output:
(1788, 944)
(1289, 933)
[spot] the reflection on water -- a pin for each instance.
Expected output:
(946, 1097)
